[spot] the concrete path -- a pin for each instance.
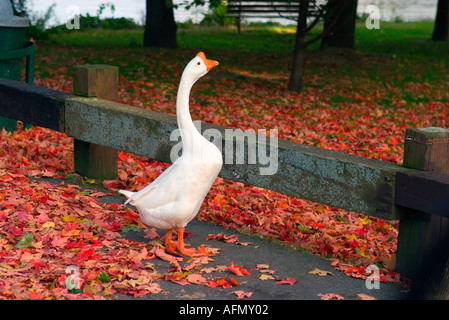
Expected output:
(284, 261)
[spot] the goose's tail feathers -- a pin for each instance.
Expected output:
(127, 194)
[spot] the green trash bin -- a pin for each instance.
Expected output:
(12, 52)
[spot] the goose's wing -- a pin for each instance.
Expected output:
(167, 188)
(132, 198)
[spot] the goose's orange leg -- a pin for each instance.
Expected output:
(182, 246)
(169, 243)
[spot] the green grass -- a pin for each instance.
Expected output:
(97, 37)
(254, 38)
(405, 39)
(393, 40)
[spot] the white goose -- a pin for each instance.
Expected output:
(173, 199)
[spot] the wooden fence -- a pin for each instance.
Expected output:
(418, 196)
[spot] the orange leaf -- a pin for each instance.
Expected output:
(235, 269)
(233, 282)
(216, 199)
(69, 233)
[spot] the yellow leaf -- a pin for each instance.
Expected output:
(321, 273)
(72, 219)
(94, 205)
(89, 181)
(265, 277)
(365, 220)
(37, 245)
(48, 224)
(69, 218)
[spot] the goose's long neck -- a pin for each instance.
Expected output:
(185, 124)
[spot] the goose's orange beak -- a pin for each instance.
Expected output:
(209, 63)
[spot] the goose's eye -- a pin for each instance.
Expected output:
(198, 63)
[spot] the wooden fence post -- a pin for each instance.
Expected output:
(422, 236)
(92, 160)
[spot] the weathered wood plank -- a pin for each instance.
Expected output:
(427, 192)
(333, 178)
(344, 181)
(121, 127)
(97, 80)
(35, 105)
(93, 160)
(426, 149)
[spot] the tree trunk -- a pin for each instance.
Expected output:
(160, 27)
(295, 82)
(441, 28)
(342, 34)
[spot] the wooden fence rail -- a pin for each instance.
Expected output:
(367, 186)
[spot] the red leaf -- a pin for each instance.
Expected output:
(242, 294)
(289, 281)
(196, 278)
(59, 242)
(25, 191)
(224, 283)
(151, 234)
(45, 199)
(87, 252)
(122, 156)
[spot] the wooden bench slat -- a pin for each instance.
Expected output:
(263, 8)
(267, 15)
(243, 3)
(266, 9)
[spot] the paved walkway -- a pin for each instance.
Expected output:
(286, 263)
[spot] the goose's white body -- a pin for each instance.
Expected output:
(175, 197)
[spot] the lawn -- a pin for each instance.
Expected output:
(355, 102)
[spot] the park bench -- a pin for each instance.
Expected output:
(266, 9)
(417, 192)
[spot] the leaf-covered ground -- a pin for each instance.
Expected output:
(358, 103)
